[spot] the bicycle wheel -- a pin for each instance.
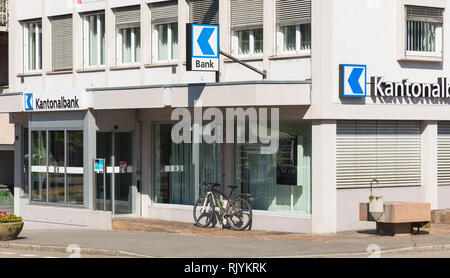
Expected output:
(203, 211)
(239, 214)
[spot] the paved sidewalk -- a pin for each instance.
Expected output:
(151, 244)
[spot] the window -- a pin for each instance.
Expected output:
(26, 165)
(33, 46)
(165, 31)
(62, 43)
(280, 181)
(94, 40)
(296, 38)
(175, 176)
(166, 36)
(248, 42)
(57, 167)
(128, 35)
(246, 22)
(424, 31)
(129, 45)
(294, 26)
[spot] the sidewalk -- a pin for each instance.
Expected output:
(160, 244)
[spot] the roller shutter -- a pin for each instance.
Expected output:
(444, 153)
(293, 12)
(204, 11)
(62, 43)
(164, 12)
(247, 13)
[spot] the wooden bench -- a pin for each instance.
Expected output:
(398, 217)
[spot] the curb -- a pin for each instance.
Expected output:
(59, 249)
(389, 251)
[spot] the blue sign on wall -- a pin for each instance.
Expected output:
(202, 47)
(99, 166)
(28, 101)
(353, 80)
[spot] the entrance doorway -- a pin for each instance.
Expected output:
(117, 150)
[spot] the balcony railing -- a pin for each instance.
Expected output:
(3, 13)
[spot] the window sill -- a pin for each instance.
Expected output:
(290, 56)
(28, 74)
(160, 65)
(91, 70)
(125, 67)
(421, 58)
(60, 72)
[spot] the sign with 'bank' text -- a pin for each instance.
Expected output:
(202, 47)
(54, 101)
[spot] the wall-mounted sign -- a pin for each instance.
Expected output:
(353, 80)
(202, 47)
(54, 101)
(99, 166)
(381, 88)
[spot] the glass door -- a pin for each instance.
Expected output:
(117, 150)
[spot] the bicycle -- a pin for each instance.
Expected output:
(237, 211)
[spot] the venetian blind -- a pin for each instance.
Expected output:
(387, 150)
(443, 162)
(428, 14)
(204, 11)
(293, 11)
(128, 15)
(62, 43)
(247, 13)
(164, 12)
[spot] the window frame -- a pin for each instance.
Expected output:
(26, 47)
(86, 53)
(119, 44)
(298, 40)
(155, 40)
(438, 40)
(235, 42)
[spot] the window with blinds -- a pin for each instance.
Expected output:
(443, 153)
(247, 13)
(290, 12)
(62, 43)
(128, 15)
(387, 150)
(204, 11)
(164, 12)
(424, 29)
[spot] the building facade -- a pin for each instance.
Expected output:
(102, 79)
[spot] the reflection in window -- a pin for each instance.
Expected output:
(281, 181)
(39, 166)
(75, 167)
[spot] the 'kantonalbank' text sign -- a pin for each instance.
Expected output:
(381, 88)
(54, 101)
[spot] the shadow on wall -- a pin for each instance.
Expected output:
(421, 65)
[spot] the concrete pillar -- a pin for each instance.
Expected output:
(15, 47)
(46, 45)
(146, 182)
(90, 152)
(324, 193)
(77, 41)
(146, 40)
(225, 34)
(429, 162)
(183, 18)
(18, 167)
(110, 34)
(269, 33)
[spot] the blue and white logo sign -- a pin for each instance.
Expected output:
(353, 80)
(99, 166)
(28, 101)
(203, 47)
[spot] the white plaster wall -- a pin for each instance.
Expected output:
(46, 217)
(443, 197)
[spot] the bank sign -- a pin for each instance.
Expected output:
(53, 101)
(202, 47)
(353, 83)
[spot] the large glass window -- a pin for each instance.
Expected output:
(33, 46)
(175, 172)
(167, 42)
(94, 39)
(280, 181)
(57, 167)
